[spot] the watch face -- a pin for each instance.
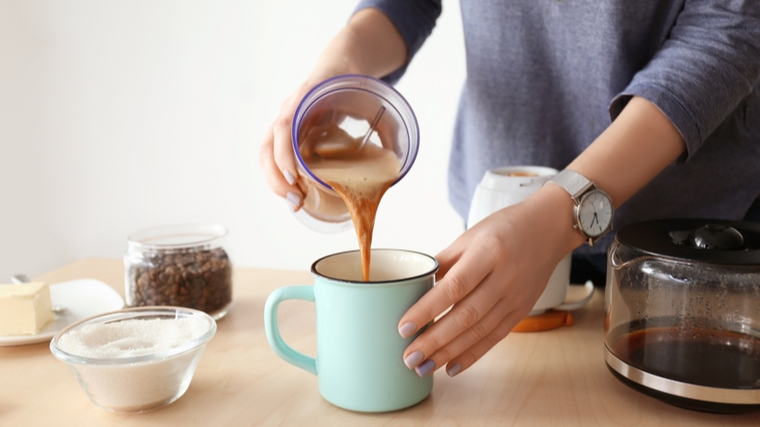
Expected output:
(595, 213)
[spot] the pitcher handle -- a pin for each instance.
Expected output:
(282, 349)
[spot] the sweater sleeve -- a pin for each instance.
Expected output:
(707, 65)
(414, 20)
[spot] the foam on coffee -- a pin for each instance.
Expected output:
(359, 174)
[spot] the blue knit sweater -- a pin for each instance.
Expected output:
(546, 77)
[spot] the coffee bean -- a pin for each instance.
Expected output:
(200, 279)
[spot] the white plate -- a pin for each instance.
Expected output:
(82, 298)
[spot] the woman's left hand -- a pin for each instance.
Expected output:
(492, 275)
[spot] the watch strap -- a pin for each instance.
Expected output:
(573, 182)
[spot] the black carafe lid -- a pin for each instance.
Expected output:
(714, 241)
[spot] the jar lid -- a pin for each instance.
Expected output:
(177, 237)
(713, 241)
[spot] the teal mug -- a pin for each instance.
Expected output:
(359, 360)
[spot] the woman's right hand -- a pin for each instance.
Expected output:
(370, 44)
(276, 155)
(276, 151)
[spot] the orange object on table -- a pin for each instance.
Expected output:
(552, 319)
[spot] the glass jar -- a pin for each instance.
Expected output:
(358, 105)
(181, 266)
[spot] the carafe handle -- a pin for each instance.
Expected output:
(615, 260)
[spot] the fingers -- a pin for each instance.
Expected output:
(469, 348)
(446, 330)
(466, 359)
(283, 142)
(463, 318)
(448, 257)
(284, 156)
(274, 176)
(277, 158)
(473, 266)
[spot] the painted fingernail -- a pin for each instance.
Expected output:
(425, 368)
(454, 369)
(291, 207)
(293, 198)
(289, 177)
(413, 359)
(407, 329)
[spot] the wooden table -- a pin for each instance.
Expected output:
(551, 378)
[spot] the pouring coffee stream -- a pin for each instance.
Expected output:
(359, 172)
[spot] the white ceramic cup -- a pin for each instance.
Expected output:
(502, 187)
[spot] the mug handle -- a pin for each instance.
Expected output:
(282, 349)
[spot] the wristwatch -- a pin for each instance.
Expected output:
(593, 208)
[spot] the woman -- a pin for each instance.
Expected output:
(656, 103)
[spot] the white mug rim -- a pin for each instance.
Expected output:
(392, 282)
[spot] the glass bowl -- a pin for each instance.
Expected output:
(135, 383)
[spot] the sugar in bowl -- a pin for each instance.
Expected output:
(135, 360)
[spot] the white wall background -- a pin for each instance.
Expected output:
(121, 115)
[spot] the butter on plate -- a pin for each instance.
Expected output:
(24, 309)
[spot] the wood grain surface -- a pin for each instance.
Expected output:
(555, 378)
